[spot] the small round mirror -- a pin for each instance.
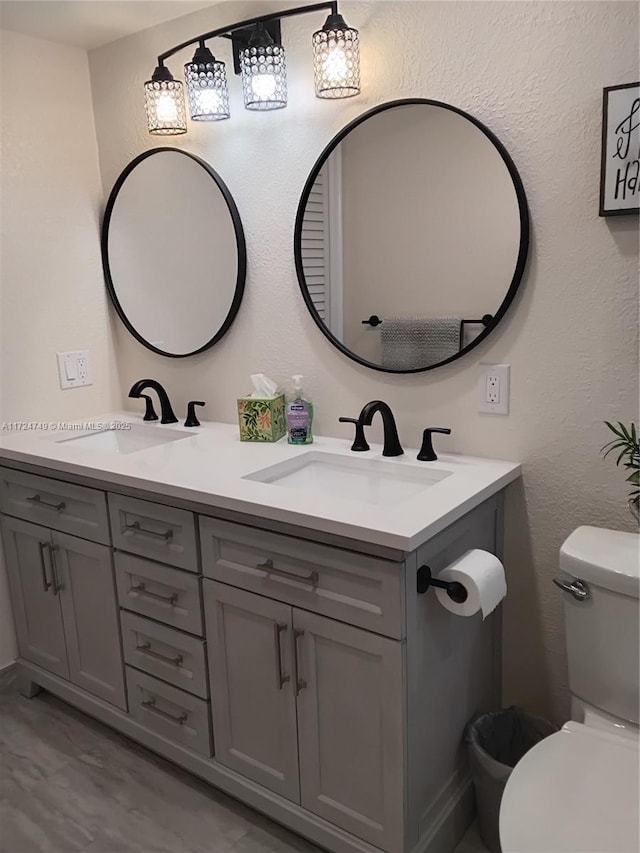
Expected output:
(411, 236)
(173, 252)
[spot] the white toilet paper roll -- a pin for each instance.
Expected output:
(482, 575)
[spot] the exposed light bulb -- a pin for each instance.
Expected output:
(335, 65)
(264, 86)
(209, 101)
(166, 107)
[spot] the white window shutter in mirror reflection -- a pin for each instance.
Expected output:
(322, 245)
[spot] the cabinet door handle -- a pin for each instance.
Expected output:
(167, 535)
(46, 583)
(300, 682)
(141, 589)
(147, 650)
(274, 574)
(37, 499)
(281, 680)
(150, 705)
(56, 585)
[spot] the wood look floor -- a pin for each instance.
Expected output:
(70, 784)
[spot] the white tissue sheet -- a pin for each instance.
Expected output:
(482, 575)
(263, 386)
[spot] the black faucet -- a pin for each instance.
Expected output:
(392, 445)
(141, 385)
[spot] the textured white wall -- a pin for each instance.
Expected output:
(51, 292)
(534, 73)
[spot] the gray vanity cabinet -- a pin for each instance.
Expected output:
(64, 602)
(253, 694)
(90, 617)
(310, 708)
(350, 727)
(36, 610)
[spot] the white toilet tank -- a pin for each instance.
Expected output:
(603, 630)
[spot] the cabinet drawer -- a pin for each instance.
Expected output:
(152, 530)
(164, 652)
(354, 588)
(165, 594)
(52, 503)
(172, 713)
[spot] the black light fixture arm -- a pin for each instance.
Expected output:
(227, 32)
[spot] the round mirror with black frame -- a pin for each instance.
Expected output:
(411, 236)
(173, 252)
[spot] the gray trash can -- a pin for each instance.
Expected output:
(496, 742)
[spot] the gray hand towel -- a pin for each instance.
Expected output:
(408, 343)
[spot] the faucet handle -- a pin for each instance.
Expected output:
(149, 412)
(359, 442)
(192, 420)
(427, 453)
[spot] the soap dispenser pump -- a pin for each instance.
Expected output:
(299, 415)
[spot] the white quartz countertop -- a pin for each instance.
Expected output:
(208, 467)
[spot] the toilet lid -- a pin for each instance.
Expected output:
(576, 792)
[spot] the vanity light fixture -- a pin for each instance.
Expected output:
(264, 72)
(259, 57)
(336, 59)
(206, 79)
(164, 101)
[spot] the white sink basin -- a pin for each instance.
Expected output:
(123, 440)
(373, 481)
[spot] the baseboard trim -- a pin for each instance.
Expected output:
(8, 677)
(447, 820)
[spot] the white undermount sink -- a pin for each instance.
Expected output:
(374, 481)
(127, 438)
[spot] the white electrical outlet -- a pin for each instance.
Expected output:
(493, 389)
(73, 369)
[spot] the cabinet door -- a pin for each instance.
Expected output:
(350, 727)
(252, 694)
(84, 574)
(36, 604)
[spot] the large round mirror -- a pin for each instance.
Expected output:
(173, 252)
(411, 236)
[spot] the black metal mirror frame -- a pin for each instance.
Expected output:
(240, 246)
(522, 250)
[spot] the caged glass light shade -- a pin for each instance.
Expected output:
(264, 73)
(206, 80)
(336, 59)
(164, 102)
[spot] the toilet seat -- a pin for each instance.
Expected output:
(575, 792)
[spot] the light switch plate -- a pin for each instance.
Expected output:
(74, 369)
(493, 389)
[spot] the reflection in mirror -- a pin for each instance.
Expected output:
(411, 236)
(173, 252)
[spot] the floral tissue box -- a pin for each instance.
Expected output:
(261, 418)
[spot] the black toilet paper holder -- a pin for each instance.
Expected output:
(455, 590)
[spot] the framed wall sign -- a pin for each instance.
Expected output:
(620, 175)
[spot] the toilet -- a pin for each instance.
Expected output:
(578, 790)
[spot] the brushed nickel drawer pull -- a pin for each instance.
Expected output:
(270, 569)
(167, 535)
(169, 600)
(46, 583)
(37, 499)
(57, 586)
(150, 705)
(300, 682)
(146, 648)
(281, 679)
